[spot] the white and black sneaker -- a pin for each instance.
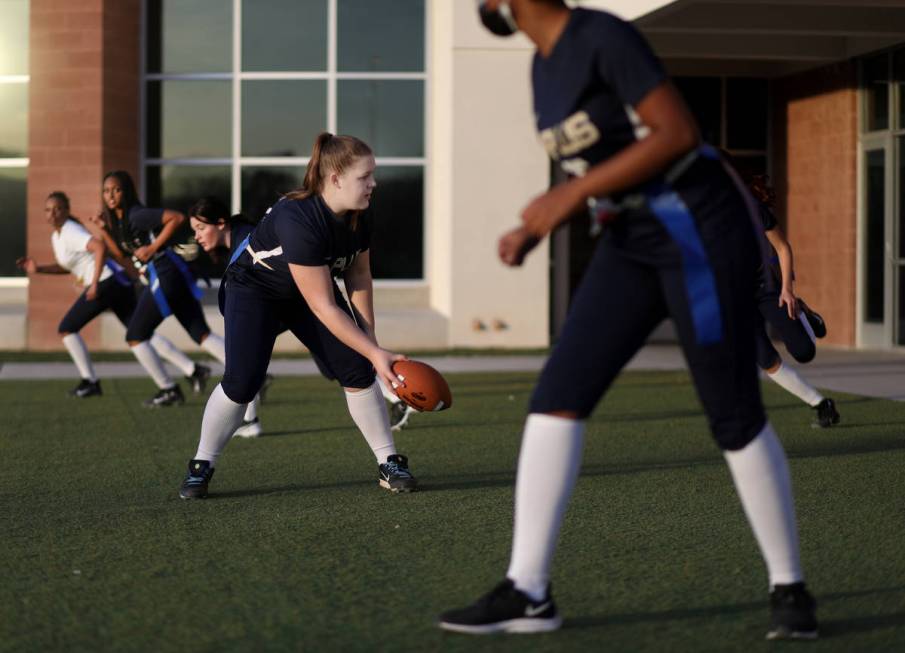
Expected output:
(166, 397)
(394, 475)
(792, 611)
(827, 415)
(86, 389)
(399, 415)
(249, 429)
(198, 378)
(504, 609)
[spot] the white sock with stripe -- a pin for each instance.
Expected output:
(370, 416)
(251, 409)
(215, 346)
(152, 364)
(222, 416)
(548, 467)
(761, 475)
(172, 354)
(787, 378)
(80, 356)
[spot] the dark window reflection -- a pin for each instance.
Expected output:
(262, 186)
(874, 289)
(280, 35)
(388, 115)
(380, 35)
(901, 194)
(282, 118)
(746, 113)
(13, 119)
(751, 165)
(189, 37)
(397, 247)
(12, 220)
(703, 95)
(13, 37)
(898, 74)
(876, 92)
(189, 119)
(901, 322)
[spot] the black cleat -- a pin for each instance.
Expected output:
(198, 378)
(165, 397)
(827, 415)
(394, 475)
(195, 484)
(86, 389)
(268, 381)
(818, 326)
(399, 415)
(503, 610)
(792, 613)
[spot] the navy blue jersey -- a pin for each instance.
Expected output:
(239, 232)
(766, 216)
(586, 90)
(303, 232)
(137, 228)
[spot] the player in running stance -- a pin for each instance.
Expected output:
(793, 319)
(107, 286)
(140, 236)
(681, 244)
(282, 276)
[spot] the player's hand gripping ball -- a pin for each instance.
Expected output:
(425, 388)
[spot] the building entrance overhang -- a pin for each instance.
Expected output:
(763, 38)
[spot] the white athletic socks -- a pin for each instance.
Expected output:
(388, 394)
(548, 467)
(215, 346)
(79, 353)
(222, 416)
(152, 364)
(251, 409)
(761, 476)
(370, 416)
(171, 353)
(786, 377)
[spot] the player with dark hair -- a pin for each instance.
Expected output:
(142, 237)
(107, 286)
(680, 243)
(282, 276)
(216, 230)
(796, 323)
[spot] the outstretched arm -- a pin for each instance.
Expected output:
(784, 250)
(171, 221)
(29, 266)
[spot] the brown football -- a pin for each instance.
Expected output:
(425, 388)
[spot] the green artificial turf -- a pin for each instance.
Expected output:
(297, 549)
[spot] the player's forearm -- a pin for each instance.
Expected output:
(173, 220)
(51, 268)
(342, 326)
(361, 296)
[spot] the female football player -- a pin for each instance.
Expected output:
(796, 323)
(282, 276)
(215, 230)
(681, 244)
(141, 237)
(107, 286)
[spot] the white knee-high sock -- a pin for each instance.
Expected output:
(370, 416)
(761, 475)
(215, 346)
(786, 377)
(171, 353)
(388, 394)
(548, 467)
(222, 416)
(152, 364)
(251, 409)
(80, 356)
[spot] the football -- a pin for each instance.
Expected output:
(425, 388)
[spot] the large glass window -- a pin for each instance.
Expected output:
(238, 116)
(13, 131)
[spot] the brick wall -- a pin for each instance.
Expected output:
(815, 144)
(83, 121)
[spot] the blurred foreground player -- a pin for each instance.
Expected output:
(282, 276)
(107, 286)
(681, 244)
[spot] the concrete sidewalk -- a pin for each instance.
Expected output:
(869, 373)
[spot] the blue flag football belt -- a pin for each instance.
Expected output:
(157, 291)
(119, 273)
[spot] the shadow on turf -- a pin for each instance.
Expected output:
(284, 489)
